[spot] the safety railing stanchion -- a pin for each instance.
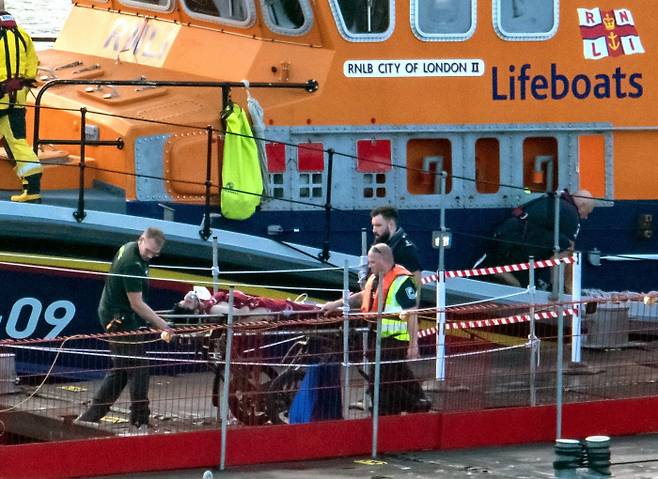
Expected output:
(560, 353)
(325, 254)
(576, 294)
(532, 337)
(440, 373)
(346, 340)
(205, 230)
(365, 340)
(556, 243)
(378, 361)
(363, 264)
(80, 214)
(215, 265)
(227, 376)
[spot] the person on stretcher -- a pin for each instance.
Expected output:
(246, 307)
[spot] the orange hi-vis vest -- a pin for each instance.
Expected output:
(390, 285)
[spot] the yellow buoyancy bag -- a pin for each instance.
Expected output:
(242, 184)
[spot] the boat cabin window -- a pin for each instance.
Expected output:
(526, 19)
(237, 12)
(162, 5)
(426, 159)
(364, 20)
(449, 20)
(540, 164)
(289, 17)
(374, 185)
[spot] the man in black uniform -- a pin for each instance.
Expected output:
(529, 231)
(123, 308)
(384, 221)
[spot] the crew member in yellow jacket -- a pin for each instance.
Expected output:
(18, 70)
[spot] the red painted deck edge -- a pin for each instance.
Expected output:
(495, 427)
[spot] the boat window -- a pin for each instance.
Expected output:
(290, 17)
(540, 163)
(526, 19)
(236, 12)
(374, 185)
(277, 186)
(487, 165)
(364, 20)
(448, 20)
(310, 185)
(162, 5)
(426, 158)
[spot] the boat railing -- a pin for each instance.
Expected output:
(225, 86)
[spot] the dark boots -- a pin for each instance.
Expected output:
(31, 190)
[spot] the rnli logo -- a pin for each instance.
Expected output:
(608, 33)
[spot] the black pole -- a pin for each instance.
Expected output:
(225, 112)
(80, 214)
(205, 232)
(325, 255)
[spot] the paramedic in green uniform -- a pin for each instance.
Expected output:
(123, 308)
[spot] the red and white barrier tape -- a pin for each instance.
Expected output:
(466, 273)
(484, 323)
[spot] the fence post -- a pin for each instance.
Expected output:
(227, 376)
(346, 342)
(576, 294)
(215, 265)
(363, 265)
(560, 352)
(556, 244)
(440, 372)
(378, 360)
(532, 337)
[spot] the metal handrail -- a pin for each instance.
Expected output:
(310, 86)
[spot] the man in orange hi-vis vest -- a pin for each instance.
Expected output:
(400, 391)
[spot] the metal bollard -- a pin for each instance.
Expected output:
(597, 449)
(568, 456)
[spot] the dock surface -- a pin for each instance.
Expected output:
(633, 457)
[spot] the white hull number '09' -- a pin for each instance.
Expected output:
(25, 315)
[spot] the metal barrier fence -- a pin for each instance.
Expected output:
(295, 370)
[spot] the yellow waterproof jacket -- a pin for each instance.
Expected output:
(27, 61)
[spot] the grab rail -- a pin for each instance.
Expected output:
(310, 86)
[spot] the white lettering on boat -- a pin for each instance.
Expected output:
(149, 42)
